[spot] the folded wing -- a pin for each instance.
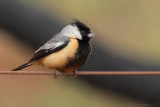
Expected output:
(55, 44)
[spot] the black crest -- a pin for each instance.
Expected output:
(81, 25)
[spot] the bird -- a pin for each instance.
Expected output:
(66, 51)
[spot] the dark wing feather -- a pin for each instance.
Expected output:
(57, 43)
(43, 53)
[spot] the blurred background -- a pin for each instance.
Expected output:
(127, 39)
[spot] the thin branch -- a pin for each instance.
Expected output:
(82, 73)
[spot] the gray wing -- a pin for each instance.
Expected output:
(55, 44)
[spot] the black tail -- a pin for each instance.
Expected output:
(22, 66)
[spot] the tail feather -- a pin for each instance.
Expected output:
(22, 66)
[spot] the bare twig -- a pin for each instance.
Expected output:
(82, 73)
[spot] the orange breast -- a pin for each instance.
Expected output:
(59, 59)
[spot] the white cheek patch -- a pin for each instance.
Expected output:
(71, 31)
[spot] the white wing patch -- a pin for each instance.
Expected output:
(50, 46)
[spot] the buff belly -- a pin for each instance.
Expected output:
(59, 60)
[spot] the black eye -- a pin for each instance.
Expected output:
(83, 32)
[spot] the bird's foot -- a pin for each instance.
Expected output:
(57, 73)
(75, 74)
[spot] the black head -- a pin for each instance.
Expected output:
(85, 31)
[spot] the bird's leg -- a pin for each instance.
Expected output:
(75, 74)
(57, 73)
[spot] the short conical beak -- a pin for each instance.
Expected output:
(91, 35)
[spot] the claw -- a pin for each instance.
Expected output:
(57, 73)
(75, 74)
